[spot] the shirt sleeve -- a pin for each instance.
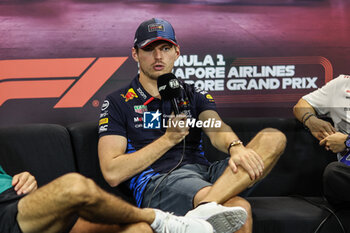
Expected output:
(320, 98)
(204, 101)
(112, 120)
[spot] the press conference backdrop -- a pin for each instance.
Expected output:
(59, 59)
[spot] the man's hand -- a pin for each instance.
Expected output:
(24, 183)
(248, 159)
(177, 129)
(334, 142)
(320, 129)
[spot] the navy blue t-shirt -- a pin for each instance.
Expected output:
(129, 112)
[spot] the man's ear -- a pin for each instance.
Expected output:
(134, 54)
(177, 51)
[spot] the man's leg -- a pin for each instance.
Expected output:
(269, 144)
(235, 202)
(336, 179)
(238, 201)
(83, 226)
(55, 206)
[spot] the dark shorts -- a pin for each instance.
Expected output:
(8, 211)
(175, 194)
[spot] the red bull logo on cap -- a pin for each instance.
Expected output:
(129, 95)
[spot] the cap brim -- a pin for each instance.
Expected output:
(143, 44)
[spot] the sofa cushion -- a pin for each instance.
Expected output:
(84, 136)
(291, 214)
(42, 149)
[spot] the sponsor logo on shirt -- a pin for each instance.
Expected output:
(102, 128)
(131, 94)
(183, 103)
(138, 119)
(347, 94)
(139, 90)
(105, 105)
(140, 108)
(103, 121)
(104, 114)
(209, 97)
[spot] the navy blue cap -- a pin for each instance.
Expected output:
(153, 30)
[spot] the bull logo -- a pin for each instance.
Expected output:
(129, 95)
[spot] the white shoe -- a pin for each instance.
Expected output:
(223, 219)
(169, 223)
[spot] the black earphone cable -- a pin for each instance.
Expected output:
(176, 166)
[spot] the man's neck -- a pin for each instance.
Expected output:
(150, 85)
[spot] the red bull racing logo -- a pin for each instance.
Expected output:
(129, 95)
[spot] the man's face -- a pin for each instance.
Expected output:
(156, 59)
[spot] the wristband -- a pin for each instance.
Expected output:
(234, 143)
(302, 118)
(307, 118)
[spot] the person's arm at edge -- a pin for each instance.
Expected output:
(306, 114)
(302, 109)
(24, 183)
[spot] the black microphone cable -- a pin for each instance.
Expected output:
(322, 206)
(169, 172)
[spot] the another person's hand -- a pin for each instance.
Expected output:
(248, 159)
(24, 183)
(319, 128)
(334, 142)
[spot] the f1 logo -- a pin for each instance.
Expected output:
(73, 80)
(151, 120)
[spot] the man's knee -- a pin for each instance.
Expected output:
(239, 201)
(270, 142)
(331, 172)
(78, 188)
(275, 135)
(140, 227)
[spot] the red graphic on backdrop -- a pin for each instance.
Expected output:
(73, 80)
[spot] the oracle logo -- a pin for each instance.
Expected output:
(73, 80)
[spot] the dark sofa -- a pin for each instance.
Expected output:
(278, 202)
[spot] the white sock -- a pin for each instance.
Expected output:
(158, 220)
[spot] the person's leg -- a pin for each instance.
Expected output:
(238, 201)
(83, 226)
(241, 221)
(336, 179)
(176, 193)
(55, 206)
(269, 144)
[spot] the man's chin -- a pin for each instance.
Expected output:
(157, 74)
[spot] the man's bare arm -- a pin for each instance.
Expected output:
(117, 166)
(306, 114)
